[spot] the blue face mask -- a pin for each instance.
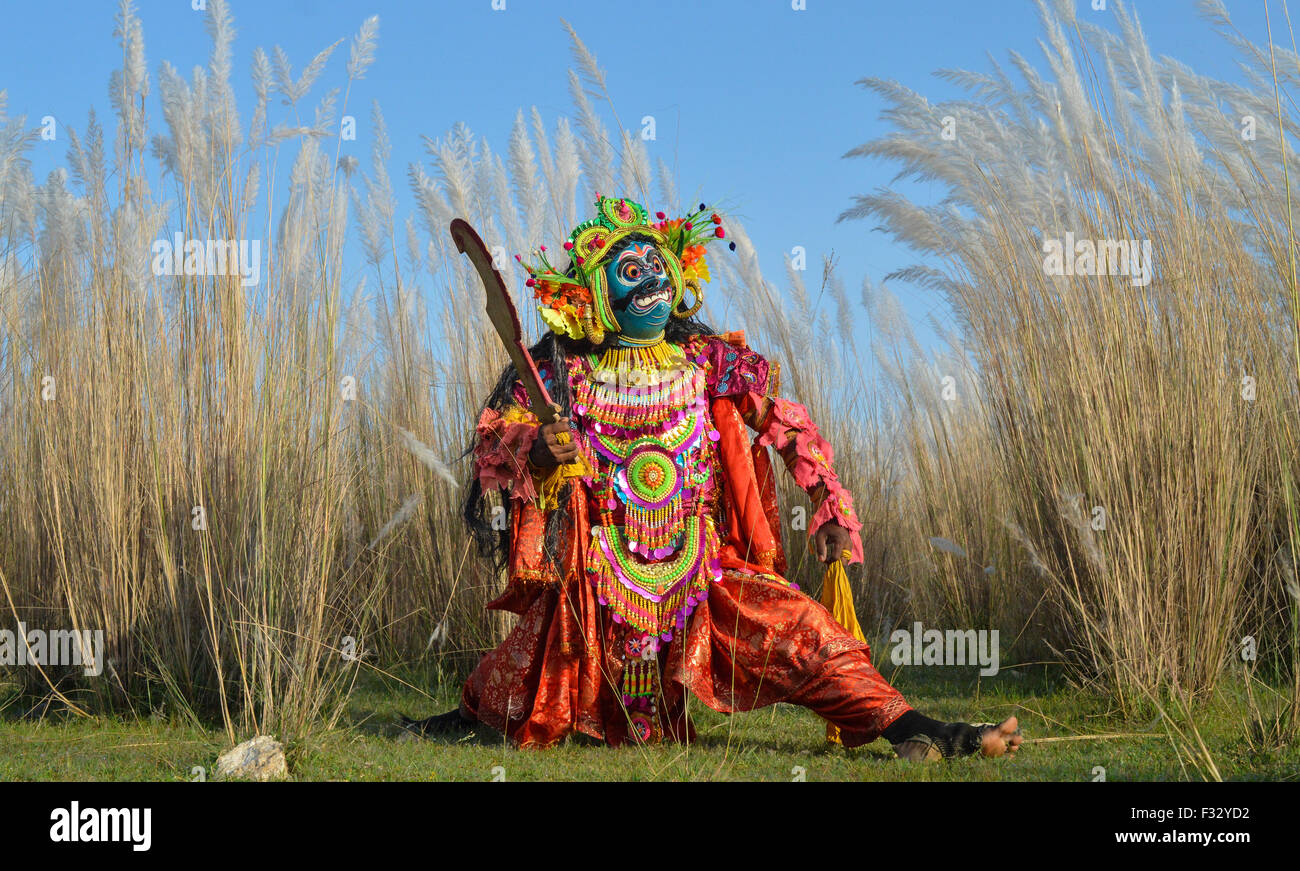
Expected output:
(640, 291)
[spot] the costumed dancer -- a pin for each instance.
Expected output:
(642, 545)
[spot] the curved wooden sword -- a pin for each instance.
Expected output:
(501, 311)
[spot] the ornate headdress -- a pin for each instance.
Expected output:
(575, 302)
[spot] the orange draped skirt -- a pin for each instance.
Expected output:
(754, 642)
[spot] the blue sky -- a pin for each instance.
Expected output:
(755, 102)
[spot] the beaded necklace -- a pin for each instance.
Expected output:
(632, 390)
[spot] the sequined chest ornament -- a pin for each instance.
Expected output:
(644, 415)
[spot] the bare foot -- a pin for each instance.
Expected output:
(1004, 738)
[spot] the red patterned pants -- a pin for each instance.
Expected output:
(754, 643)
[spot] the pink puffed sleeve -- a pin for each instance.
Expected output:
(808, 456)
(733, 367)
(501, 451)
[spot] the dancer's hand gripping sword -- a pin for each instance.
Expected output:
(501, 311)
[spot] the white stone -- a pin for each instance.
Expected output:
(261, 758)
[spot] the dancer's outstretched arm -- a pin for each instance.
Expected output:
(786, 426)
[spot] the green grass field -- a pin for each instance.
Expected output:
(777, 743)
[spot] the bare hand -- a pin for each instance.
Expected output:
(830, 541)
(547, 452)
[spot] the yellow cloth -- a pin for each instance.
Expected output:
(548, 486)
(838, 599)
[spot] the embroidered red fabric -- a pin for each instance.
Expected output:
(754, 642)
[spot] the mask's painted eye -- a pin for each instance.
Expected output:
(632, 273)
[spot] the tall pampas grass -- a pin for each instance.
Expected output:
(1126, 467)
(234, 481)
(179, 462)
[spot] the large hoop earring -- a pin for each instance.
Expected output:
(600, 302)
(694, 285)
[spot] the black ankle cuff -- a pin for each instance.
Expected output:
(911, 723)
(951, 739)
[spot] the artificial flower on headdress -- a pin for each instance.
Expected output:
(694, 266)
(575, 303)
(688, 236)
(565, 305)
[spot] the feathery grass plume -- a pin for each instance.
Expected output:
(595, 149)
(668, 197)
(527, 187)
(403, 514)
(426, 456)
(362, 52)
(565, 180)
(375, 214)
(947, 546)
